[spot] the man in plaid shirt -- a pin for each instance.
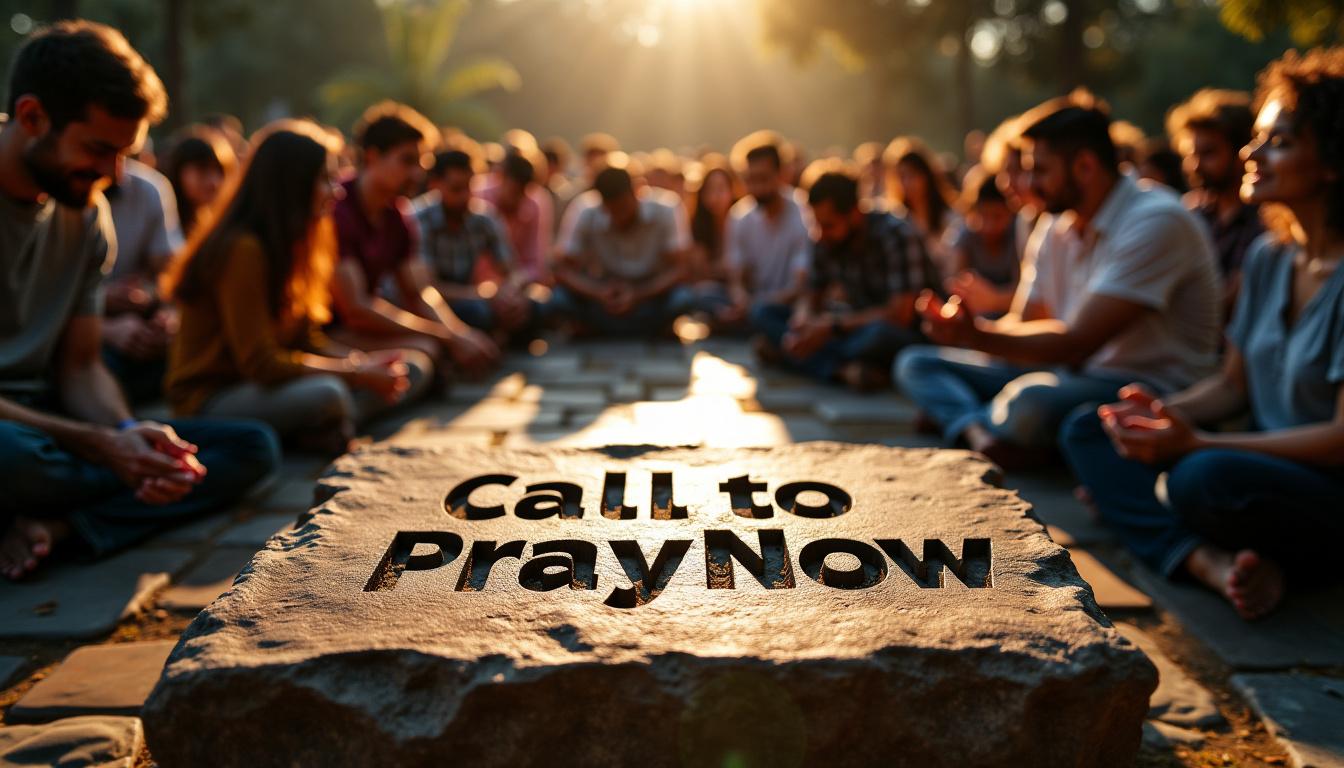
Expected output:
(859, 311)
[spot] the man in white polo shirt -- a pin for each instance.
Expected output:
(1120, 284)
(622, 269)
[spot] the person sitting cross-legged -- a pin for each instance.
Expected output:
(377, 253)
(253, 288)
(858, 310)
(1250, 513)
(1121, 284)
(77, 469)
(469, 253)
(622, 269)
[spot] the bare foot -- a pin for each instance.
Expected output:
(1253, 584)
(863, 378)
(26, 542)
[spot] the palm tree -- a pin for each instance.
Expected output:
(420, 70)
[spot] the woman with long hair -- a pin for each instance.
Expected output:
(253, 292)
(713, 199)
(918, 189)
(198, 166)
(1248, 513)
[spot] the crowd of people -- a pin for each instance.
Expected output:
(1167, 314)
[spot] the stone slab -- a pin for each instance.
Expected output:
(78, 600)
(111, 679)
(1304, 712)
(206, 580)
(1112, 592)
(1307, 630)
(1179, 700)
(908, 609)
(256, 531)
(9, 667)
(105, 742)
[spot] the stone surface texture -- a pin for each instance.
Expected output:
(313, 669)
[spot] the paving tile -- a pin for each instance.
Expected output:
(1306, 630)
(668, 394)
(256, 531)
(105, 742)
(504, 387)
(1161, 736)
(555, 396)
(291, 494)
(869, 409)
(627, 391)
(1304, 712)
(603, 379)
(1111, 591)
(76, 600)
(1051, 496)
(1179, 699)
(111, 679)
(658, 372)
(206, 580)
(9, 667)
(196, 531)
(503, 417)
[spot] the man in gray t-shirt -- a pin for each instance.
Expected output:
(1120, 284)
(74, 463)
(622, 266)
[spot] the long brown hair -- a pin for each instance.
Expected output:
(704, 228)
(200, 146)
(915, 153)
(272, 200)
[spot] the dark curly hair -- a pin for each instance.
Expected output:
(1310, 87)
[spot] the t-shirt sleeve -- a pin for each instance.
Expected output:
(800, 243)
(246, 320)
(676, 231)
(1148, 259)
(167, 231)
(102, 254)
(1256, 273)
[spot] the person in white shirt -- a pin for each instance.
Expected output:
(1120, 285)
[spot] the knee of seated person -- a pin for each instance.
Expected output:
(257, 448)
(1202, 479)
(19, 455)
(329, 397)
(419, 367)
(1024, 412)
(1081, 426)
(914, 363)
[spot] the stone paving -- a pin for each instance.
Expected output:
(81, 644)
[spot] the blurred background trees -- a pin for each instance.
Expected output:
(687, 72)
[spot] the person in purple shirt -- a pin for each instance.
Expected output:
(377, 243)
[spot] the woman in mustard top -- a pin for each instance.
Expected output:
(253, 292)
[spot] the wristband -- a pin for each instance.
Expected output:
(127, 423)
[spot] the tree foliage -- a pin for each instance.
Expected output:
(421, 70)
(1311, 22)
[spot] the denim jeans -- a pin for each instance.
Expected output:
(875, 344)
(480, 315)
(957, 388)
(652, 317)
(42, 479)
(1287, 511)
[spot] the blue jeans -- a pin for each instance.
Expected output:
(480, 315)
(875, 344)
(957, 388)
(42, 479)
(1287, 511)
(653, 317)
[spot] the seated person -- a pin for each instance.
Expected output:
(1250, 513)
(858, 311)
(253, 294)
(468, 251)
(78, 470)
(769, 250)
(138, 325)
(377, 245)
(1209, 130)
(525, 209)
(622, 269)
(985, 257)
(1122, 286)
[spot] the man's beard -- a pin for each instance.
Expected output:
(52, 179)
(1065, 200)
